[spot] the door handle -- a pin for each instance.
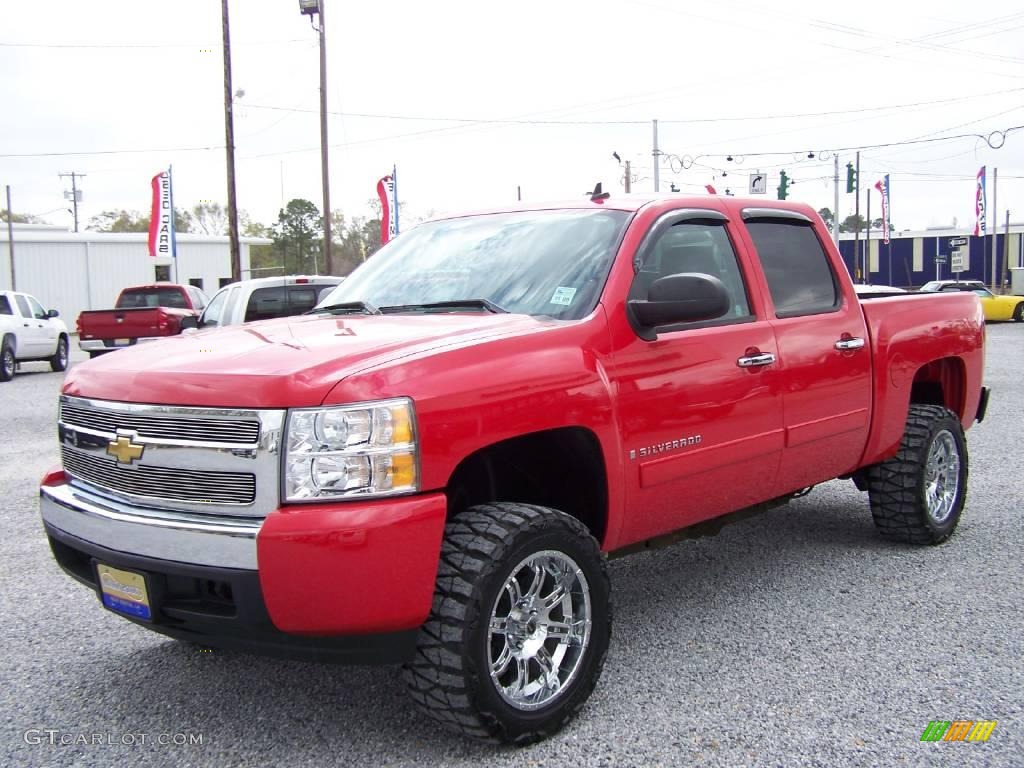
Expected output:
(844, 345)
(753, 361)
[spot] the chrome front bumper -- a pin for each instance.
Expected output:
(167, 535)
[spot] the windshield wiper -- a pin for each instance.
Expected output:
(490, 306)
(363, 307)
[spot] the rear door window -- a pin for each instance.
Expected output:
(796, 266)
(301, 299)
(267, 303)
(23, 306)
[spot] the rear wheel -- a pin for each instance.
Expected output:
(918, 495)
(8, 362)
(520, 624)
(59, 361)
(1018, 312)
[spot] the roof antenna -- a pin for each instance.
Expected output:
(597, 195)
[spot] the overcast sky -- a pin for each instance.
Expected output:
(87, 87)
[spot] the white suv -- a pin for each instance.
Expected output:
(29, 332)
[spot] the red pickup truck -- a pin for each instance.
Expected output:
(142, 313)
(433, 468)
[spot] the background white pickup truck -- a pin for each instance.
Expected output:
(29, 332)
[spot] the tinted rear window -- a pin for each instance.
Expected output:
(5, 306)
(799, 276)
(151, 297)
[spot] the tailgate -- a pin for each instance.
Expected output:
(128, 323)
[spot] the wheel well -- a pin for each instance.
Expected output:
(559, 468)
(940, 382)
(12, 339)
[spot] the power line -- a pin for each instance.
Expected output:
(9, 44)
(688, 121)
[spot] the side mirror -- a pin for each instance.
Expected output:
(189, 321)
(50, 313)
(684, 298)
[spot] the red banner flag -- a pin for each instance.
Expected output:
(384, 187)
(161, 217)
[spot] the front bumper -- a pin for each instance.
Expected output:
(345, 581)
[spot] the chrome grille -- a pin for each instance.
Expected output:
(161, 426)
(186, 485)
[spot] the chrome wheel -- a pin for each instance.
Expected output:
(8, 362)
(62, 352)
(942, 477)
(539, 630)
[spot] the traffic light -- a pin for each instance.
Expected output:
(783, 185)
(851, 178)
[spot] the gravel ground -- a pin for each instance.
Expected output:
(794, 638)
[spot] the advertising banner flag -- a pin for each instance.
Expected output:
(161, 217)
(883, 190)
(385, 191)
(979, 204)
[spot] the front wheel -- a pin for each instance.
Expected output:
(520, 624)
(59, 361)
(917, 496)
(8, 362)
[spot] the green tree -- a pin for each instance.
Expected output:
(132, 221)
(210, 218)
(19, 218)
(827, 217)
(264, 260)
(297, 236)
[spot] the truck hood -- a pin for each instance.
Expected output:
(289, 362)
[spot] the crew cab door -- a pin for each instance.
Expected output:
(823, 348)
(700, 406)
(29, 329)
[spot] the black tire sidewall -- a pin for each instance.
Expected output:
(949, 423)
(511, 721)
(6, 374)
(56, 363)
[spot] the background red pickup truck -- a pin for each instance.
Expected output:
(433, 468)
(141, 313)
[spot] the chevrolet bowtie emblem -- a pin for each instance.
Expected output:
(124, 450)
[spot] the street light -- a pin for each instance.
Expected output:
(313, 8)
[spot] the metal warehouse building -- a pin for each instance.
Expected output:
(909, 258)
(70, 271)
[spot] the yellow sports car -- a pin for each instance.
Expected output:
(996, 307)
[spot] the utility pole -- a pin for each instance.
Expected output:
(995, 223)
(74, 191)
(856, 221)
(867, 241)
(328, 260)
(229, 135)
(656, 155)
(629, 180)
(10, 238)
(1006, 249)
(519, 192)
(835, 211)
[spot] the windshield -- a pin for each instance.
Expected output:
(535, 262)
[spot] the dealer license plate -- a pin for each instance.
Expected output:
(124, 592)
(122, 342)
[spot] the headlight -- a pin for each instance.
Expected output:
(367, 449)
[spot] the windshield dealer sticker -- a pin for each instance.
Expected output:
(563, 296)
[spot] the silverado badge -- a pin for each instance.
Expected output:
(124, 450)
